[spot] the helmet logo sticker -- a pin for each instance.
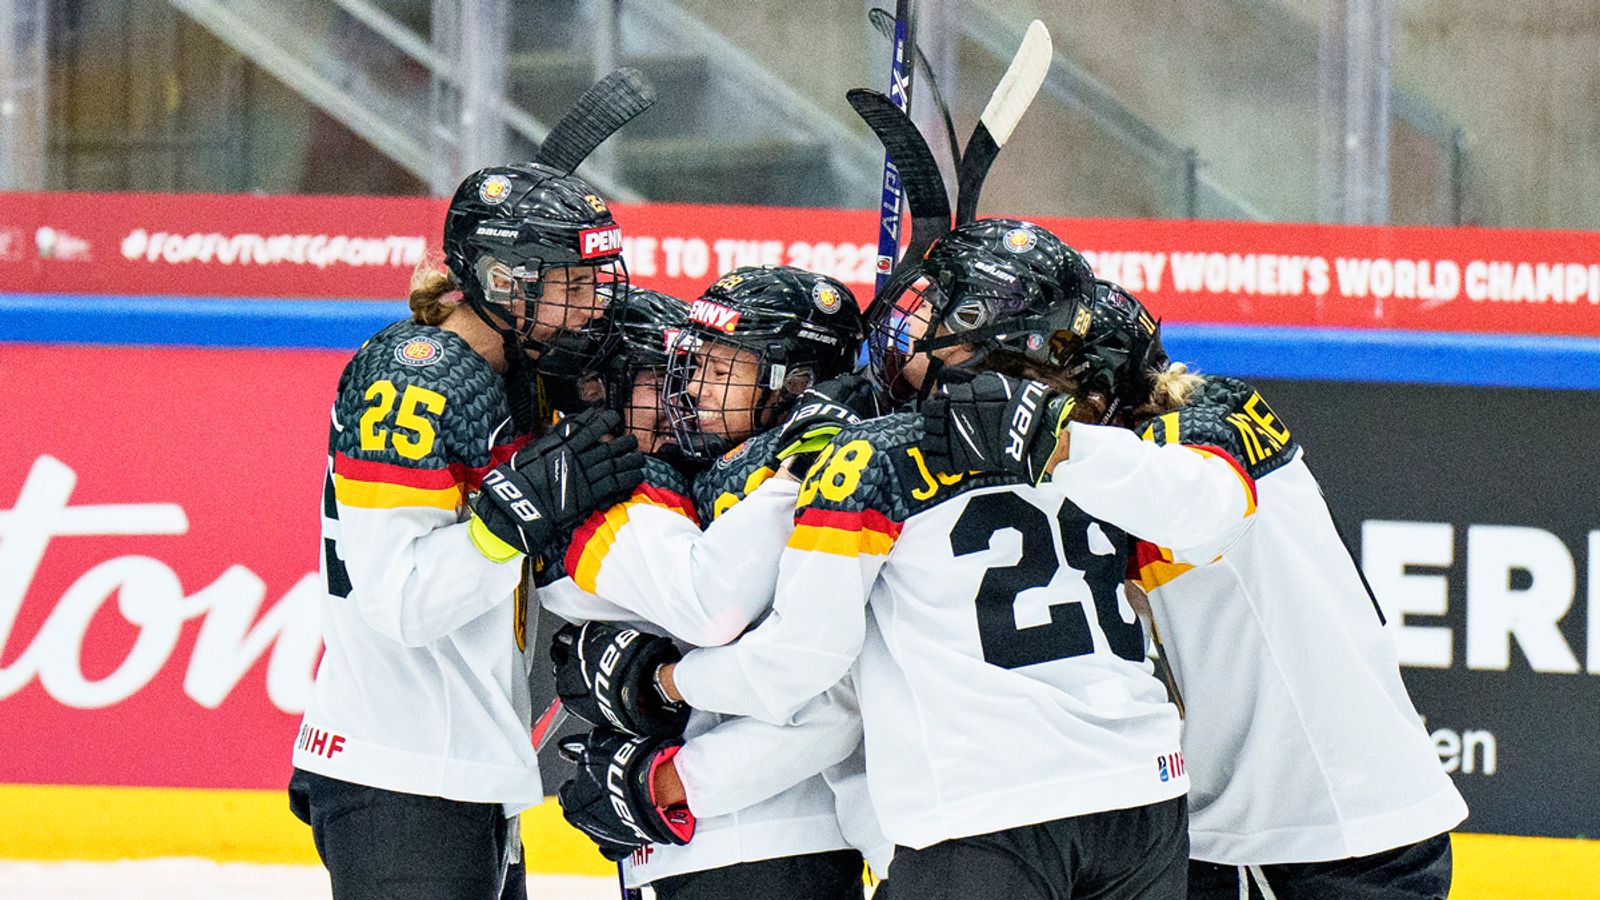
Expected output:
(1081, 321)
(825, 297)
(595, 203)
(495, 231)
(676, 340)
(714, 315)
(1019, 240)
(419, 351)
(1035, 341)
(495, 189)
(605, 240)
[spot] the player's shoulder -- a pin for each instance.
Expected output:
(878, 465)
(414, 393)
(664, 485)
(733, 475)
(1232, 415)
(425, 356)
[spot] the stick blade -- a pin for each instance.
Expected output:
(606, 106)
(1011, 98)
(1017, 88)
(919, 173)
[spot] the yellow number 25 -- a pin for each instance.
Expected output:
(413, 403)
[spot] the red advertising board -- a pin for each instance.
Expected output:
(1428, 279)
(158, 538)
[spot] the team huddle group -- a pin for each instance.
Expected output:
(970, 582)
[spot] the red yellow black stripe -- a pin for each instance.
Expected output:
(844, 533)
(593, 539)
(376, 485)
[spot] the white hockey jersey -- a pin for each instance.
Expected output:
(757, 789)
(1001, 672)
(423, 688)
(1302, 742)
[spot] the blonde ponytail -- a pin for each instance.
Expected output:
(1172, 388)
(432, 288)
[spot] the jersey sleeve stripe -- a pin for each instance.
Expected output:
(678, 503)
(844, 533)
(1153, 566)
(381, 495)
(1249, 483)
(593, 540)
(366, 470)
(472, 476)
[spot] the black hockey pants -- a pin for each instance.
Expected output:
(835, 875)
(1419, 871)
(385, 845)
(1125, 854)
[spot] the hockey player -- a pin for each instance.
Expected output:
(413, 757)
(1017, 742)
(1313, 777)
(769, 830)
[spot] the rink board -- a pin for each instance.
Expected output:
(156, 772)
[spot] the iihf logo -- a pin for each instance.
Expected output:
(1170, 766)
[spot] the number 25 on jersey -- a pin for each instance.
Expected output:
(379, 431)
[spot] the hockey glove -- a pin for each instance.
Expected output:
(994, 423)
(822, 411)
(606, 674)
(612, 796)
(554, 483)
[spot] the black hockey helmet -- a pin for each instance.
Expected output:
(998, 286)
(1121, 352)
(800, 328)
(646, 322)
(507, 226)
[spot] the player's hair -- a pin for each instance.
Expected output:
(431, 283)
(1171, 389)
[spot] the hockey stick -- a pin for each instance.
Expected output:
(900, 92)
(1009, 101)
(919, 173)
(885, 23)
(605, 107)
(550, 721)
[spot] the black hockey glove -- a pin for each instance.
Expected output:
(611, 798)
(821, 412)
(605, 674)
(554, 483)
(994, 423)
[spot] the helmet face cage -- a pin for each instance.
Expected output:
(718, 393)
(754, 342)
(633, 376)
(897, 357)
(977, 303)
(528, 233)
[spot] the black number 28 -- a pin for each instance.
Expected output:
(1067, 633)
